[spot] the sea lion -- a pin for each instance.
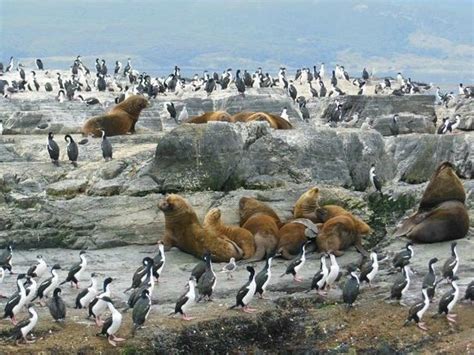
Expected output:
(263, 223)
(220, 116)
(293, 234)
(183, 230)
(442, 214)
(444, 185)
(307, 206)
(120, 120)
(339, 233)
(240, 236)
(274, 121)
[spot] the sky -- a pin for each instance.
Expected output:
(429, 40)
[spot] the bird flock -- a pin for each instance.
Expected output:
(125, 81)
(202, 283)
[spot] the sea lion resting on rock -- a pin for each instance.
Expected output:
(274, 121)
(442, 214)
(263, 223)
(220, 116)
(183, 230)
(120, 120)
(294, 233)
(240, 236)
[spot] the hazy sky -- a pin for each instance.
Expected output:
(428, 40)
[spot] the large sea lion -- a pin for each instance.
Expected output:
(442, 214)
(183, 230)
(240, 236)
(274, 121)
(293, 234)
(263, 223)
(220, 116)
(120, 120)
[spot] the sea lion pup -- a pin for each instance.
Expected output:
(339, 233)
(442, 214)
(183, 230)
(240, 236)
(120, 120)
(220, 116)
(274, 121)
(263, 223)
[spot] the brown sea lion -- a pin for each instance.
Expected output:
(263, 223)
(444, 185)
(221, 116)
(442, 214)
(120, 120)
(293, 234)
(274, 121)
(183, 230)
(240, 236)
(339, 233)
(307, 206)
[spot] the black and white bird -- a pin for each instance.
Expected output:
(31, 288)
(118, 67)
(304, 111)
(374, 180)
(429, 281)
(263, 277)
(159, 261)
(57, 307)
(2, 276)
(98, 306)
(401, 284)
(417, 311)
(16, 302)
(106, 147)
(39, 269)
(393, 126)
(200, 267)
(72, 149)
(322, 89)
(140, 274)
(48, 285)
(350, 291)
(6, 258)
(403, 257)
(85, 296)
(284, 114)
(76, 270)
(207, 281)
(451, 265)
(229, 268)
(239, 83)
(9, 66)
(449, 300)
(319, 279)
(171, 110)
(333, 273)
(292, 92)
(313, 91)
(23, 328)
(90, 101)
(186, 300)
(370, 269)
(112, 324)
(469, 295)
(147, 284)
(53, 149)
(141, 310)
(183, 115)
(296, 264)
(365, 74)
(246, 292)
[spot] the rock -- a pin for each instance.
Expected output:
(67, 188)
(112, 169)
(142, 186)
(466, 109)
(21, 200)
(417, 156)
(106, 188)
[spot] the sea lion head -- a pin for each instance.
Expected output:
(134, 104)
(170, 203)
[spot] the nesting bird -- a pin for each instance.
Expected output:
(246, 292)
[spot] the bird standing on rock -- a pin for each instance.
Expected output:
(207, 281)
(112, 324)
(333, 273)
(72, 149)
(374, 180)
(263, 278)
(403, 258)
(53, 149)
(186, 300)
(246, 292)
(23, 328)
(401, 284)
(56, 306)
(449, 300)
(417, 311)
(76, 270)
(296, 264)
(141, 310)
(429, 281)
(38, 269)
(350, 292)
(320, 278)
(229, 268)
(48, 285)
(451, 265)
(87, 295)
(16, 301)
(369, 270)
(106, 147)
